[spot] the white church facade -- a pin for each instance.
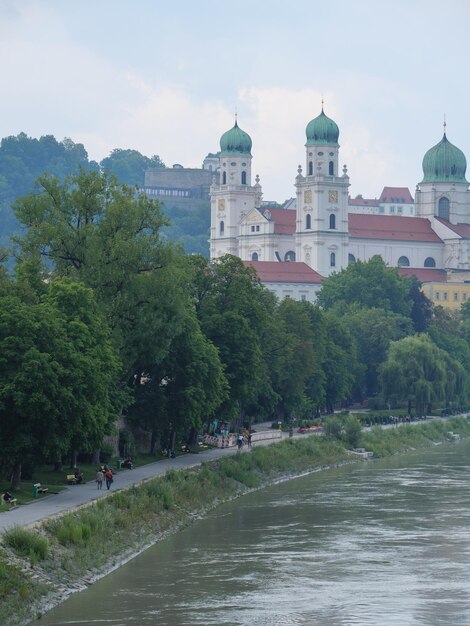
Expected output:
(293, 249)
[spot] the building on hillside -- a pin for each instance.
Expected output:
(182, 186)
(322, 233)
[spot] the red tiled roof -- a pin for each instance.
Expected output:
(288, 272)
(460, 229)
(284, 221)
(391, 227)
(424, 274)
(362, 202)
(396, 195)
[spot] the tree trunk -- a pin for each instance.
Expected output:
(96, 457)
(58, 466)
(192, 439)
(73, 459)
(16, 477)
(409, 407)
(153, 441)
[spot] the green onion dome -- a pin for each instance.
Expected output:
(444, 163)
(235, 141)
(322, 130)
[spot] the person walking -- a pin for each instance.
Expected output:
(109, 478)
(99, 478)
(249, 440)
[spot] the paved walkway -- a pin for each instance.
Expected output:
(76, 495)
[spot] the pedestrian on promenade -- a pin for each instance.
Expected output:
(99, 478)
(240, 441)
(249, 440)
(109, 478)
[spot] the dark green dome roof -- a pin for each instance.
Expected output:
(444, 162)
(235, 141)
(322, 130)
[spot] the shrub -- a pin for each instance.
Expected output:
(26, 543)
(333, 427)
(352, 431)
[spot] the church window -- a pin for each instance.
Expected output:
(289, 256)
(308, 221)
(253, 229)
(331, 168)
(320, 154)
(400, 210)
(456, 296)
(332, 221)
(464, 296)
(224, 178)
(403, 261)
(392, 210)
(257, 228)
(254, 256)
(310, 168)
(303, 297)
(221, 228)
(443, 208)
(437, 296)
(351, 258)
(332, 259)
(429, 262)
(445, 295)
(243, 178)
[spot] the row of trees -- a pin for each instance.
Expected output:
(104, 316)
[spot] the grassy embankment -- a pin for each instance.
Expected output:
(41, 566)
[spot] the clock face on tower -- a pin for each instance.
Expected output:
(333, 196)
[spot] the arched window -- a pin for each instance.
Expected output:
(310, 168)
(221, 228)
(308, 221)
(331, 168)
(243, 178)
(289, 256)
(254, 256)
(224, 178)
(351, 258)
(332, 221)
(403, 261)
(443, 210)
(332, 259)
(429, 262)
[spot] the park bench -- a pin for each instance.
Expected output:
(73, 480)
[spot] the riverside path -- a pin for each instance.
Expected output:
(77, 495)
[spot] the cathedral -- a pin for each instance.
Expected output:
(294, 248)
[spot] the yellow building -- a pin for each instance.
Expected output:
(449, 295)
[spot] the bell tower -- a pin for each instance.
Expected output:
(233, 196)
(322, 235)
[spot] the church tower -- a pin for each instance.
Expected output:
(443, 192)
(233, 196)
(322, 201)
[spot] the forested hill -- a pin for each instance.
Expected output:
(23, 159)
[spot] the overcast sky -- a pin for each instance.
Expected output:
(166, 78)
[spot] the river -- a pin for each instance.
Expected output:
(382, 543)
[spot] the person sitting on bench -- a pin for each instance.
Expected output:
(7, 497)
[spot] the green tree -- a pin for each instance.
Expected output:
(297, 363)
(129, 166)
(373, 330)
(369, 284)
(55, 374)
(233, 310)
(95, 231)
(417, 371)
